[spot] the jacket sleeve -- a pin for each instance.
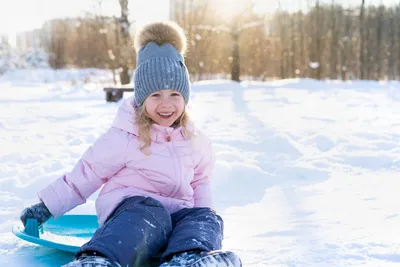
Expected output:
(100, 161)
(202, 177)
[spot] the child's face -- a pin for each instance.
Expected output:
(164, 106)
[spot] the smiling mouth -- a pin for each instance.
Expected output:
(165, 115)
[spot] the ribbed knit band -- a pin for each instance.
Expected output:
(160, 68)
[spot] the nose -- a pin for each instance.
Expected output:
(166, 102)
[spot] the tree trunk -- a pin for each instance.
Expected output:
(369, 48)
(345, 60)
(398, 40)
(281, 43)
(318, 25)
(235, 71)
(362, 46)
(124, 25)
(303, 47)
(293, 51)
(379, 43)
(334, 44)
(391, 55)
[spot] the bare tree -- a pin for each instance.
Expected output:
(191, 15)
(58, 31)
(334, 42)
(318, 37)
(391, 54)
(234, 27)
(237, 26)
(315, 41)
(282, 34)
(303, 44)
(379, 33)
(235, 72)
(345, 46)
(362, 47)
(398, 41)
(293, 48)
(125, 42)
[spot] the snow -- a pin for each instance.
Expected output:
(314, 65)
(149, 223)
(306, 171)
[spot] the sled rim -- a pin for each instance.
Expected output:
(84, 222)
(17, 231)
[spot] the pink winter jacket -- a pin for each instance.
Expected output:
(176, 173)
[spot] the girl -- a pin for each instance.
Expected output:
(155, 168)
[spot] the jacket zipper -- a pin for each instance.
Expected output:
(176, 162)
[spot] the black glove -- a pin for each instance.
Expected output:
(38, 211)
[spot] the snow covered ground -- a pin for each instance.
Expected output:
(307, 172)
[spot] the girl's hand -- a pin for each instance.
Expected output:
(38, 211)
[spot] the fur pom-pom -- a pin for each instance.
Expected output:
(161, 33)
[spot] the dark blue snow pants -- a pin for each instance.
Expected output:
(139, 228)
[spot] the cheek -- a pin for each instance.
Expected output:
(150, 106)
(180, 105)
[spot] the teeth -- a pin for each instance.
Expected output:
(165, 114)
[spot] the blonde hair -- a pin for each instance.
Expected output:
(144, 123)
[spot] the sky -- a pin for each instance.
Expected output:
(25, 15)
(34, 13)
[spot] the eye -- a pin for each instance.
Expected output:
(176, 94)
(156, 95)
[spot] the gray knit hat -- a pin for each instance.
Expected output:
(160, 65)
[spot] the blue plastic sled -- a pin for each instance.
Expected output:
(67, 233)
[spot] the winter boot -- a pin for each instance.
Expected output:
(205, 259)
(91, 261)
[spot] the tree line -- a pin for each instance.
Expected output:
(329, 41)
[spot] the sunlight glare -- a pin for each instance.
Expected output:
(228, 9)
